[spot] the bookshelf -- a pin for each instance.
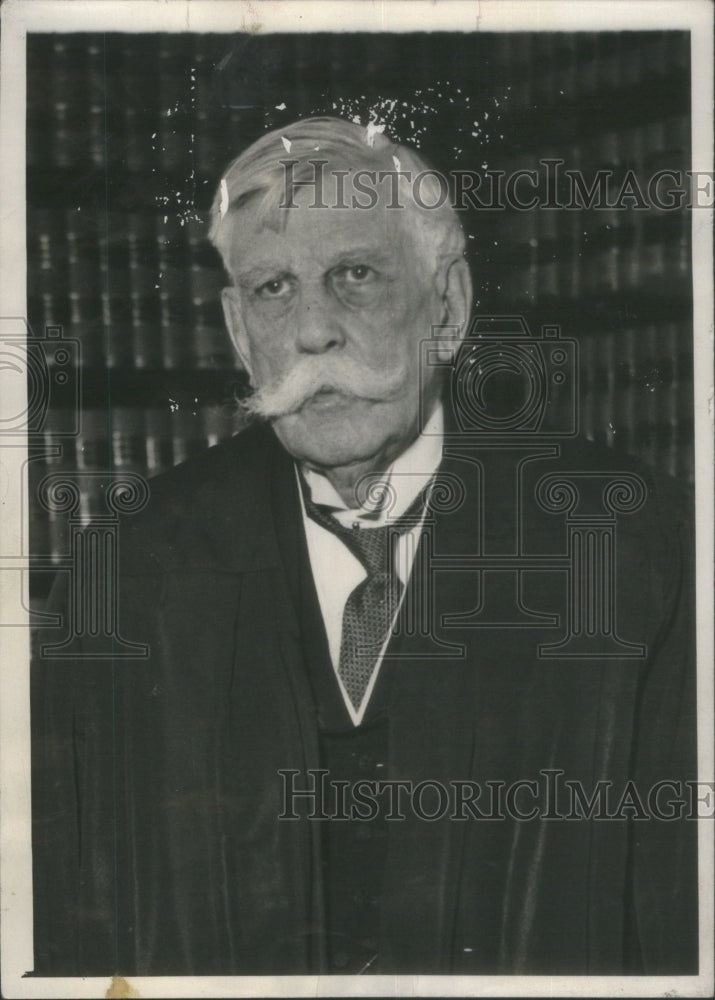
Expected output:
(126, 139)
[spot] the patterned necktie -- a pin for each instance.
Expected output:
(372, 605)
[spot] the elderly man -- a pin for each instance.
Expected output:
(333, 757)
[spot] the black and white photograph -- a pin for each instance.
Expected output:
(356, 470)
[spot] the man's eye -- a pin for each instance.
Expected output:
(357, 274)
(277, 288)
(356, 284)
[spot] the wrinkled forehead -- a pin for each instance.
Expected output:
(318, 181)
(347, 212)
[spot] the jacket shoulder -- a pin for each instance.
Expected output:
(241, 458)
(667, 500)
(224, 489)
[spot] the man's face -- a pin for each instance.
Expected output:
(347, 293)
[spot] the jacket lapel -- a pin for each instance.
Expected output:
(257, 705)
(430, 686)
(478, 895)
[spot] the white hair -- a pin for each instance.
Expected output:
(261, 171)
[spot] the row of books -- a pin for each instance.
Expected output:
(563, 232)
(145, 345)
(636, 394)
(148, 251)
(659, 270)
(133, 140)
(566, 67)
(157, 104)
(644, 149)
(140, 290)
(155, 336)
(123, 439)
(105, 102)
(148, 106)
(162, 145)
(157, 56)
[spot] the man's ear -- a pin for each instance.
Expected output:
(233, 314)
(454, 287)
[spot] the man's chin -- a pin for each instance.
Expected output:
(331, 430)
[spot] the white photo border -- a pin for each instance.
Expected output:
(21, 17)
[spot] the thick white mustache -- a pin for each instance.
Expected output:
(313, 374)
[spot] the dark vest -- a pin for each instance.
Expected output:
(353, 850)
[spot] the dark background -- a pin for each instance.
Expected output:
(127, 136)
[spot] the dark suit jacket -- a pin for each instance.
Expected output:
(157, 848)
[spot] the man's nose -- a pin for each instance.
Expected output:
(318, 327)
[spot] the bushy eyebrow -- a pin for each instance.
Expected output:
(364, 254)
(349, 255)
(261, 273)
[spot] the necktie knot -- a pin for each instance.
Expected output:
(373, 546)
